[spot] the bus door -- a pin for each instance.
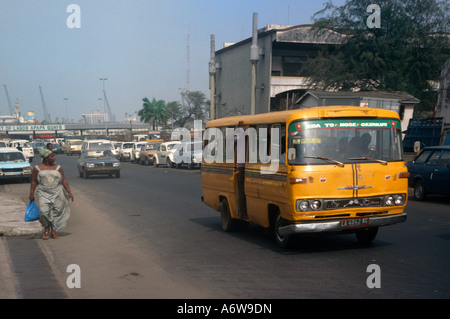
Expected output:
(240, 151)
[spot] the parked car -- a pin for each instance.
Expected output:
(57, 149)
(430, 172)
(164, 156)
(97, 145)
(115, 151)
(136, 150)
(37, 146)
(14, 165)
(147, 152)
(3, 144)
(98, 162)
(125, 151)
(73, 147)
(24, 146)
(192, 160)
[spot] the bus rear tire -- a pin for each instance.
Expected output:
(228, 223)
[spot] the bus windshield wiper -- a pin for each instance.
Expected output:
(368, 159)
(326, 159)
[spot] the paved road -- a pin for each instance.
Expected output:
(147, 235)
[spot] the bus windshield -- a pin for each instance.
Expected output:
(342, 141)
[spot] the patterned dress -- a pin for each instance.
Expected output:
(52, 199)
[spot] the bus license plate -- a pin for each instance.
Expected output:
(349, 223)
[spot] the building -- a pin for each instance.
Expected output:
(279, 55)
(94, 117)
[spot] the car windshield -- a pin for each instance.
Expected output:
(150, 147)
(342, 141)
(10, 157)
(100, 146)
(171, 146)
(76, 142)
(98, 154)
(127, 145)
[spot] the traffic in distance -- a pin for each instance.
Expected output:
(318, 170)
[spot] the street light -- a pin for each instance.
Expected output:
(67, 116)
(104, 104)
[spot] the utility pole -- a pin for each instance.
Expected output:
(254, 57)
(212, 79)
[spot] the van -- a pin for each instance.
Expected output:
(337, 169)
(24, 146)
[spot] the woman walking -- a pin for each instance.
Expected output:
(52, 192)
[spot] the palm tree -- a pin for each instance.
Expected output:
(153, 111)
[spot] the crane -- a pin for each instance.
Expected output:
(46, 115)
(11, 109)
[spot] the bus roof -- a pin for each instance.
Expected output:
(308, 113)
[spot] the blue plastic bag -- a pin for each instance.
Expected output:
(32, 212)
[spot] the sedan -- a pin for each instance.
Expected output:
(14, 165)
(98, 162)
(430, 172)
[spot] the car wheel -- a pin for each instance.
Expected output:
(85, 174)
(155, 163)
(118, 175)
(169, 163)
(366, 236)
(420, 193)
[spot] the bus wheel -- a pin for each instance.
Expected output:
(281, 241)
(366, 236)
(228, 224)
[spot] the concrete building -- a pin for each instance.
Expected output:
(278, 52)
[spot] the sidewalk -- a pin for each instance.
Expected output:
(12, 213)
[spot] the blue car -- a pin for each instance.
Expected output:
(430, 172)
(14, 165)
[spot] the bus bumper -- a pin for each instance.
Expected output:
(340, 225)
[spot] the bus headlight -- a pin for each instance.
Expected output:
(304, 205)
(394, 200)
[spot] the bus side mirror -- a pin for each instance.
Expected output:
(291, 155)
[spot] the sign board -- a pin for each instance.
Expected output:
(34, 127)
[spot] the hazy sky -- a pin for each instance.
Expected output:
(140, 46)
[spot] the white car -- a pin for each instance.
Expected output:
(164, 156)
(182, 157)
(98, 145)
(136, 151)
(24, 146)
(125, 151)
(115, 151)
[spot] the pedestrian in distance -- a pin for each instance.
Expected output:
(52, 194)
(49, 146)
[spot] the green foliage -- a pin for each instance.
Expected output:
(404, 54)
(157, 112)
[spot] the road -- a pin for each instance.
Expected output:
(148, 235)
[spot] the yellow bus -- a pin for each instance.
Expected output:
(337, 169)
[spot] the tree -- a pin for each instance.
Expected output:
(196, 106)
(153, 112)
(404, 54)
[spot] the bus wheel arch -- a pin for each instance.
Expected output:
(276, 221)
(229, 224)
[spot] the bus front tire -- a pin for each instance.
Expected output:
(366, 236)
(281, 241)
